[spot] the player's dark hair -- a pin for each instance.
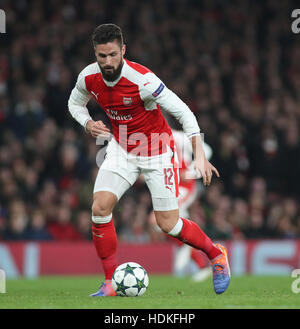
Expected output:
(105, 33)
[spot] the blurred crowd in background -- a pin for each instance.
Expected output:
(235, 63)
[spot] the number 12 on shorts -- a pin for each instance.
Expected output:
(168, 172)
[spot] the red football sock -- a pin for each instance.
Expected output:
(105, 242)
(196, 255)
(192, 235)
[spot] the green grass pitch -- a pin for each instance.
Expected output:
(164, 292)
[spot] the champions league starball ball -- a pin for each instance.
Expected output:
(130, 279)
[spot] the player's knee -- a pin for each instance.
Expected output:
(99, 209)
(166, 224)
(166, 220)
(165, 227)
(169, 222)
(103, 203)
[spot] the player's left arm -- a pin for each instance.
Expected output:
(201, 165)
(155, 90)
(190, 172)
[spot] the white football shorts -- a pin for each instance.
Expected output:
(120, 170)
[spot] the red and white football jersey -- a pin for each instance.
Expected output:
(133, 104)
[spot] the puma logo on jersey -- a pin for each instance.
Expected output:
(168, 187)
(98, 235)
(96, 95)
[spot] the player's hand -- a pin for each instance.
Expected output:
(97, 128)
(205, 170)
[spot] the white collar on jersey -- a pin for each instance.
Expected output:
(113, 83)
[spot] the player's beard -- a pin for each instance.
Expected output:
(113, 74)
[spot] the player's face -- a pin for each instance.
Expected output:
(110, 59)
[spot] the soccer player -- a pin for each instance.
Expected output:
(132, 97)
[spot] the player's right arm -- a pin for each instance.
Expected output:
(77, 107)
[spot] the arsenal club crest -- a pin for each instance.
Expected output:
(127, 101)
